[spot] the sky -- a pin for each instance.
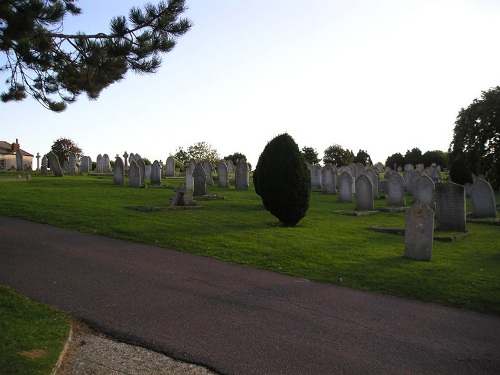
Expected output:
(383, 76)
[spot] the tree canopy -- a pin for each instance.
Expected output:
(336, 155)
(310, 155)
(63, 147)
(476, 136)
(54, 68)
(363, 157)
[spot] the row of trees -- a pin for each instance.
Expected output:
(415, 156)
(336, 155)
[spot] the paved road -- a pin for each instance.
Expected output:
(238, 320)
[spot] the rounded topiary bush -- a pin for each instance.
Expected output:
(283, 181)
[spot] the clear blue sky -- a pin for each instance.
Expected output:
(383, 76)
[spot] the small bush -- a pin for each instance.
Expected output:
(283, 181)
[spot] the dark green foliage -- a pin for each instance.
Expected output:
(336, 155)
(283, 180)
(363, 157)
(476, 136)
(55, 68)
(436, 156)
(413, 156)
(236, 158)
(310, 155)
(460, 172)
(395, 160)
(62, 147)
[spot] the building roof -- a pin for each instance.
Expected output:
(6, 149)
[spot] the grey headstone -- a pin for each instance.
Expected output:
(142, 167)
(192, 164)
(450, 207)
(230, 166)
(315, 177)
(419, 232)
(55, 166)
(359, 169)
(200, 181)
(223, 177)
(119, 172)
(43, 169)
(207, 167)
(155, 173)
(483, 199)
(328, 179)
(345, 188)
(170, 167)
(134, 175)
(468, 189)
(374, 179)
(242, 176)
(72, 163)
(19, 160)
(99, 164)
(424, 191)
(189, 180)
(106, 163)
(147, 172)
(395, 191)
(364, 193)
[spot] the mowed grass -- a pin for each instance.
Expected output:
(325, 246)
(32, 334)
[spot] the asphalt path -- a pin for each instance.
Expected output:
(235, 319)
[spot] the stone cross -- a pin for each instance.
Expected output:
(38, 156)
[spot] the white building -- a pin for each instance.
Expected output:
(8, 157)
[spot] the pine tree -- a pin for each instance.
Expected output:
(54, 68)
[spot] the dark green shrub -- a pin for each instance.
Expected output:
(283, 181)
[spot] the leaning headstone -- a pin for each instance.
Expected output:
(222, 173)
(170, 167)
(72, 163)
(395, 191)
(43, 169)
(19, 160)
(364, 193)
(419, 232)
(328, 179)
(450, 207)
(483, 199)
(207, 166)
(155, 179)
(119, 172)
(423, 191)
(345, 188)
(200, 181)
(55, 166)
(242, 176)
(134, 175)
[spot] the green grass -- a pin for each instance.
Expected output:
(325, 246)
(32, 334)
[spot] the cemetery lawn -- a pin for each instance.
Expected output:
(326, 245)
(32, 334)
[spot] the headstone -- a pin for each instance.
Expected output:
(43, 170)
(170, 167)
(72, 163)
(200, 181)
(189, 180)
(395, 191)
(19, 160)
(242, 176)
(359, 169)
(155, 174)
(450, 207)
(345, 188)
(364, 193)
(192, 164)
(374, 179)
(99, 164)
(207, 167)
(424, 192)
(315, 177)
(468, 189)
(379, 167)
(147, 172)
(119, 172)
(134, 175)
(328, 179)
(419, 232)
(230, 166)
(223, 177)
(54, 164)
(142, 167)
(483, 199)
(106, 164)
